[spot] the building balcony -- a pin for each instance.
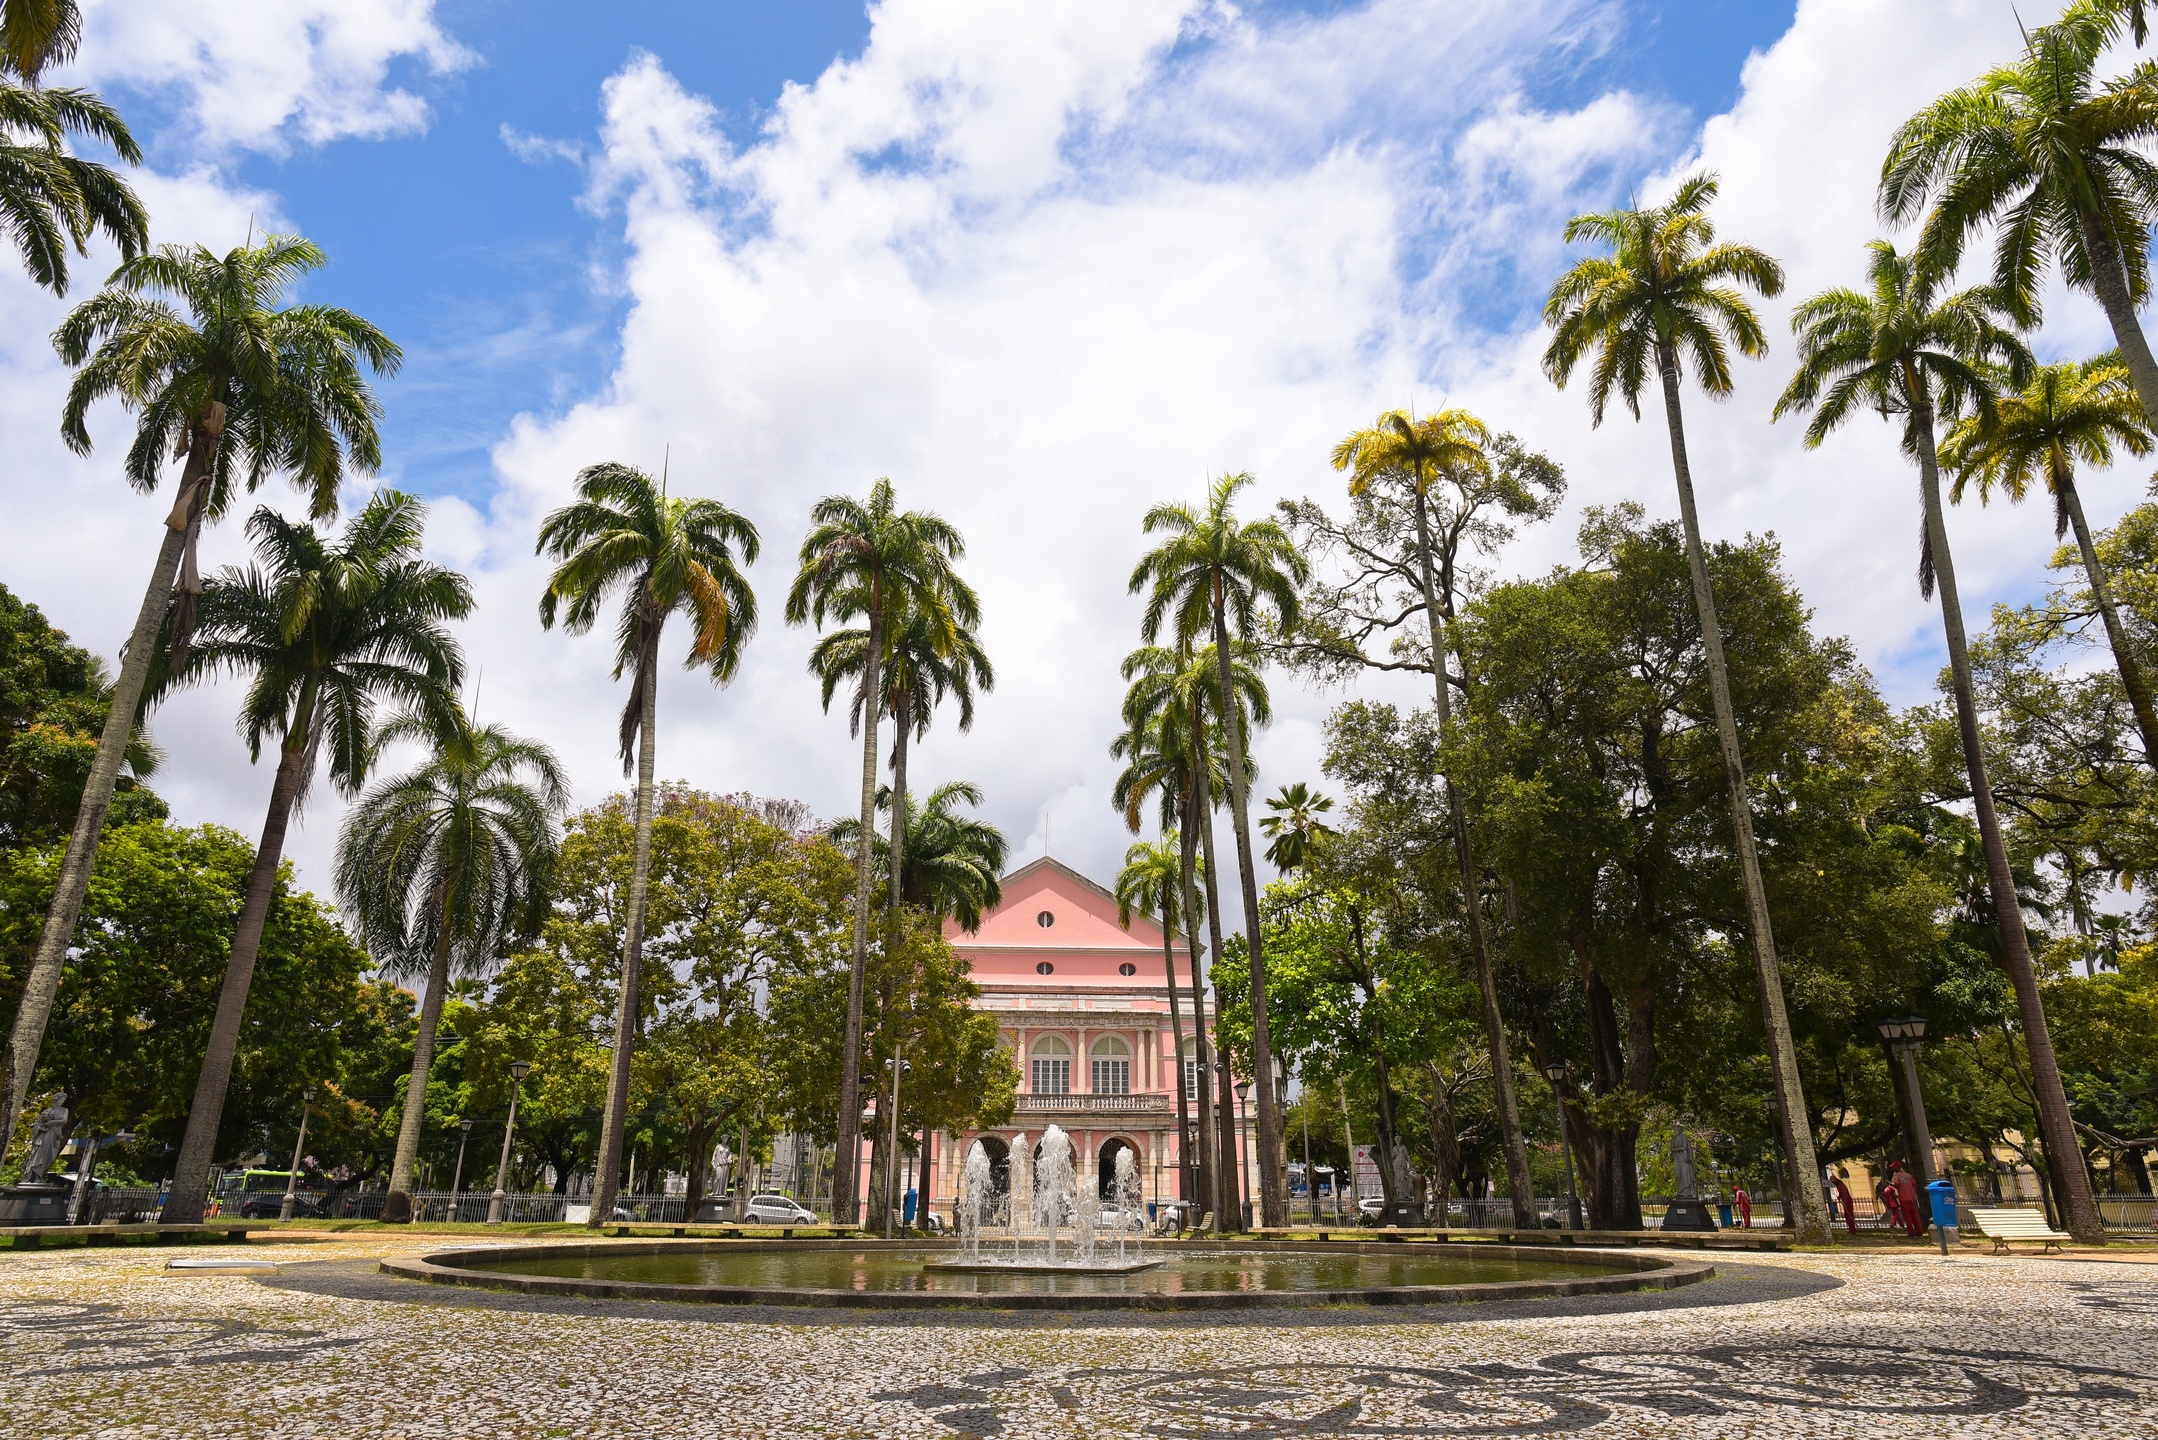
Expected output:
(1092, 1105)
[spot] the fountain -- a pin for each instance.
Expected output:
(1053, 1193)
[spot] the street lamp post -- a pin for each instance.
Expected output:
(898, 1067)
(1241, 1148)
(1555, 1072)
(1904, 1037)
(518, 1070)
(457, 1181)
(292, 1176)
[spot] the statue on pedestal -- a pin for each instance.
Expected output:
(1687, 1212)
(46, 1138)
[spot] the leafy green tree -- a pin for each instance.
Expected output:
(2052, 157)
(1904, 348)
(1666, 295)
(245, 386)
(140, 989)
(53, 698)
(2068, 414)
(323, 633)
(1212, 574)
(666, 555)
(870, 561)
(51, 201)
(443, 867)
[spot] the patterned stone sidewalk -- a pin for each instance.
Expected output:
(109, 1343)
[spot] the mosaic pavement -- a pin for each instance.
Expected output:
(109, 1343)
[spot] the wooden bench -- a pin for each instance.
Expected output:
(2004, 1227)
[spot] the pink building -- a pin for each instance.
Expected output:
(1084, 1010)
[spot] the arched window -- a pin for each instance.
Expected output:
(1052, 1066)
(1192, 1088)
(1112, 1066)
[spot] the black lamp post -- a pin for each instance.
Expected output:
(457, 1181)
(891, 1159)
(292, 1176)
(1555, 1072)
(518, 1070)
(1904, 1036)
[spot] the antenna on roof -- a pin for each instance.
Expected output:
(1045, 835)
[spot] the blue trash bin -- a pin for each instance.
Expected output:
(1941, 1196)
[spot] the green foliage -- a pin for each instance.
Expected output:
(53, 703)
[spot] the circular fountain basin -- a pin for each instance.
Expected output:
(987, 1266)
(1178, 1276)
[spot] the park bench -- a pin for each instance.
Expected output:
(2004, 1227)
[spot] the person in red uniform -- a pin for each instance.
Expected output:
(1914, 1219)
(1744, 1204)
(1892, 1203)
(1843, 1198)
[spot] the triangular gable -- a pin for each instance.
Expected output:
(1083, 914)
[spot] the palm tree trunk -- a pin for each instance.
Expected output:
(2133, 680)
(1273, 1185)
(423, 1055)
(1228, 1189)
(2109, 278)
(1176, 1042)
(1793, 1119)
(847, 1163)
(1202, 1163)
(2064, 1159)
(191, 1171)
(903, 718)
(629, 1009)
(18, 1062)
(1519, 1185)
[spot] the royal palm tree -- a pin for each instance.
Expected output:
(1905, 346)
(2052, 157)
(1150, 881)
(871, 562)
(1174, 703)
(441, 868)
(1451, 449)
(1297, 826)
(668, 556)
(38, 33)
(203, 350)
(52, 202)
(1212, 574)
(1665, 296)
(927, 656)
(953, 862)
(324, 633)
(2069, 414)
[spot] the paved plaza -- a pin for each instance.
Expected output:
(111, 1343)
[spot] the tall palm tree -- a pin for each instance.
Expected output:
(927, 656)
(1297, 825)
(668, 556)
(51, 201)
(2069, 414)
(325, 633)
(870, 561)
(1150, 881)
(1174, 702)
(952, 864)
(1211, 573)
(247, 387)
(441, 868)
(1451, 448)
(1668, 294)
(38, 33)
(2054, 159)
(1903, 347)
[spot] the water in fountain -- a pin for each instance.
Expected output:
(1022, 1196)
(1053, 1190)
(979, 1184)
(1127, 1198)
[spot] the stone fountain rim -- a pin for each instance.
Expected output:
(1631, 1271)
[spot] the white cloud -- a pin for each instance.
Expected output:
(261, 74)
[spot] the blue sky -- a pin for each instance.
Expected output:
(1043, 262)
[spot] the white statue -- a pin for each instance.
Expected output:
(46, 1138)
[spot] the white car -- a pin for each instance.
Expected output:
(778, 1210)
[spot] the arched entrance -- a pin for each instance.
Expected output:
(1000, 1173)
(1105, 1165)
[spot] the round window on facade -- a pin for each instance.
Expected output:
(1127, 968)
(1045, 968)
(1045, 919)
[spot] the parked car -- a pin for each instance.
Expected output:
(771, 1209)
(268, 1207)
